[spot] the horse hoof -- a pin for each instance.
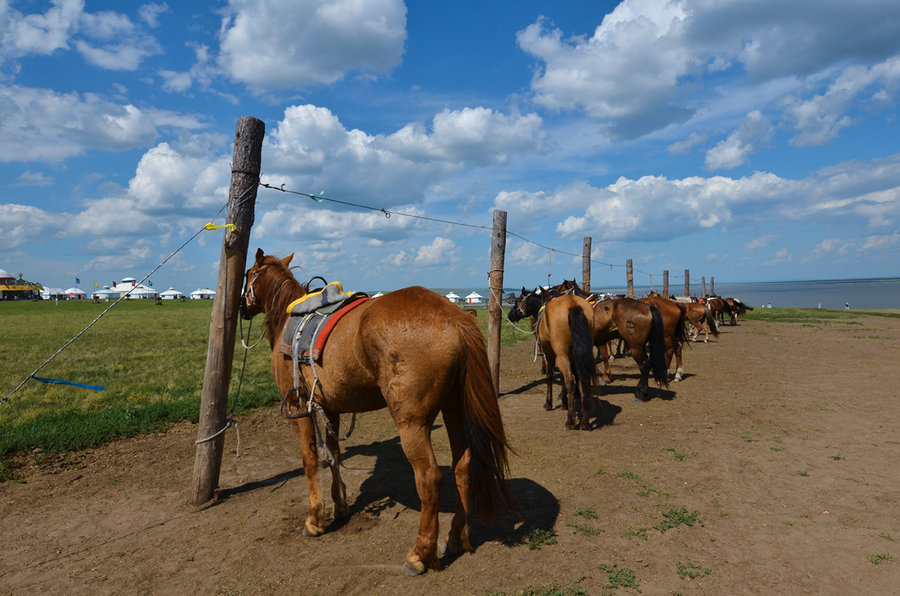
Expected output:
(311, 530)
(604, 382)
(412, 571)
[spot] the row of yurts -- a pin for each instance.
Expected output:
(11, 289)
(20, 289)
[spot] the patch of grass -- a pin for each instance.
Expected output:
(539, 537)
(570, 589)
(678, 455)
(814, 316)
(803, 473)
(585, 530)
(838, 457)
(587, 513)
(620, 578)
(879, 558)
(645, 489)
(886, 536)
(676, 517)
(636, 533)
(600, 469)
(692, 570)
(630, 475)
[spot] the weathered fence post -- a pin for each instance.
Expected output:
(666, 283)
(712, 285)
(629, 274)
(687, 282)
(248, 140)
(495, 306)
(703, 286)
(586, 265)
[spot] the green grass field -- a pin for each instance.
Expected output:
(150, 358)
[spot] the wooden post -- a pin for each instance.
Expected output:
(687, 282)
(586, 265)
(703, 286)
(712, 285)
(629, 274)
(248, 140)
(666, 283)
(495, 306)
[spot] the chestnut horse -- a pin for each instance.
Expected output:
(674, 320)
(639, 325)
(701, 319)
(563, 330)
(416, 354)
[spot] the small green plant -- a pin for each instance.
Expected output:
(600, 470)
(676, 517)
(678, 455)
(620, 578)
(789, 523)
(878, 558)
(837, 457)
(630, 475)
(538, 537)
(587, 513)
(804, 473)
(632, 532)
(585, 529)
(886, 536)
(692, 570)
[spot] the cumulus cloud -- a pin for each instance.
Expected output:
(23, 223)
(285, 43)
(44, 125)
(735, 150)
(648, 64)
(36, 179)
(442, 250)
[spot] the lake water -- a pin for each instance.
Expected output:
(859, 293)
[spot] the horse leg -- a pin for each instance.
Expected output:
(587, 396)
(551, 363)
(642, 389)
(679, 365)
(458, 538)
(569, 388)
(315, 521)
(606, 377)
(338, 488)
(415, 438)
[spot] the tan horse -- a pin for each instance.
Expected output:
(638, 325)
(701, 319)
(416, 354)
(563, 329)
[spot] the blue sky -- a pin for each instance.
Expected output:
(745, 140)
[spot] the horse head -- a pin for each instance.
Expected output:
(526, 305)
(260, 283)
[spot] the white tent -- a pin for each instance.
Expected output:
(452, 297)
(105, 294)
(142, 291)
(203, 294)
(51, 293)
(171, 294)
(75, 294)
(378, 294)
(474, 298)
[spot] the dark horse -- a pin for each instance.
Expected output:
(639, 325)
(416, 354)
(675, 326)
(563, 330)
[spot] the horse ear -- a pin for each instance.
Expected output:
(259, 255)
(286, 261)
(524, 291)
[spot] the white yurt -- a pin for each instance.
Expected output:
(203, 293)
(143, 292)
(171, 294)
(378, 294)
(105, 293)
(452, 297)
(474, 298)
(75, 294)
(52, 293)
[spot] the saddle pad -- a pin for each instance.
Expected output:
(304, 336)
(332, 293)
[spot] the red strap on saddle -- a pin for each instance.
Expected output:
(331, 322)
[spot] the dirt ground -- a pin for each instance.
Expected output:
(781, 445)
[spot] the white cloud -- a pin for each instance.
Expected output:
(290, 43)
(41, 34)
(686, 146)
(169, 180)
(150, 13)
(442, 250)
(36, 179)
(23, 223)
(735, 150)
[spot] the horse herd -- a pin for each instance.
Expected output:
(569, 323)
(416, 354)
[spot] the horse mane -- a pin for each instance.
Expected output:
(281, 288)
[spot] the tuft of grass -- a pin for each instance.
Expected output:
(620, 578)
(678, 455)
(838, 457)
(676, 517)
(539, 537)
(587, 513)
(570, 589)
(585, 530)
(879, 558)
(692, 570)
(632, 532)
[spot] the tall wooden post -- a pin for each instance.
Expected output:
(687, 282)
(586, 265)
(629, 274)
(495, 307)
(248, 140)
(666, 283)
(703, 286)
(712, 285)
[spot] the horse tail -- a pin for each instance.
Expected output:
(710, 320)
(488, 465)
(658, 348)
(681, 331)
(582, 343)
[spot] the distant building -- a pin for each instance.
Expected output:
(203, 293)
(75, 294)
(474, 298)
(452, 297)
(18, 289)
(171, 294)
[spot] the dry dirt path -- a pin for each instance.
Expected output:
(780, 446)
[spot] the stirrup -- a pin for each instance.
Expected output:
(288, 411)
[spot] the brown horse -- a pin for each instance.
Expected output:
(737, 308)
(563, 329)
(674, 319)
(701, 319)
(639, 325)
(719, 308)
(414, 353)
